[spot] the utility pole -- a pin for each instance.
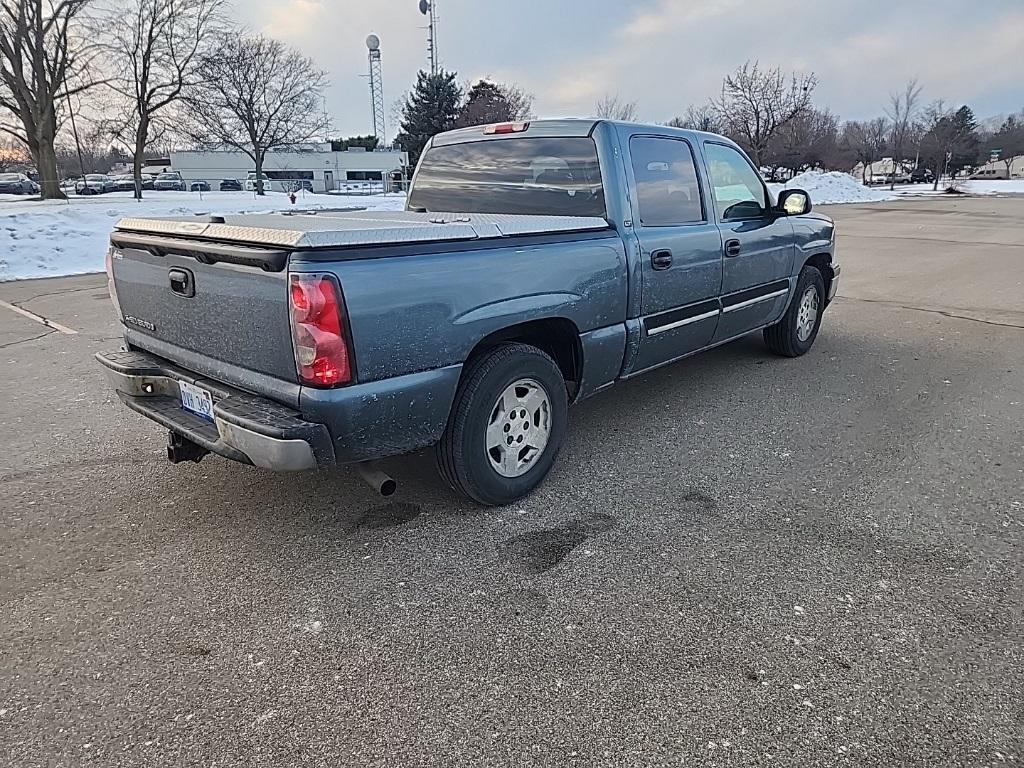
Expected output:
(428, 9)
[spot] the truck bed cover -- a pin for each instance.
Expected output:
(344, 229)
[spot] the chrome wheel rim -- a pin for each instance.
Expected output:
(519, 428)
(807, 314)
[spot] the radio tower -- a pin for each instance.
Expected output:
(427, 9)
(376, 88)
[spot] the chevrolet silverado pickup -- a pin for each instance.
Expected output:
(535, 265)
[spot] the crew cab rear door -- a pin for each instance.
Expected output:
(680, 248)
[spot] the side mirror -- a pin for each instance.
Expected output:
(794, 202)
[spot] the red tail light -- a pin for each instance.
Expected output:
(322, 356)
(110, 281)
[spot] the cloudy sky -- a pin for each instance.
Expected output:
(664, 54)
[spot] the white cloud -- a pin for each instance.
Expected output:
(664, 54)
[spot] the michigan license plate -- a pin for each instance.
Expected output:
(196, 400)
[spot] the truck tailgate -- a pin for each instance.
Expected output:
(195, 299)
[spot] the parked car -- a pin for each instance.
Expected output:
(921, 176)
(199, 186)
(94, 184)
(250, 182)
(169, 182)
(230, 185)
(17, 184)
(565, 256)
(124, 183)
(298, 185)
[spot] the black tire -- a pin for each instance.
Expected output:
(782, 338)
(462, 456)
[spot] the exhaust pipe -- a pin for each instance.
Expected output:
(381, 482)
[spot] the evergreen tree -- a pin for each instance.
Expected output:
(431, 108)
(965, 149)
(489, 102)
(369, 143)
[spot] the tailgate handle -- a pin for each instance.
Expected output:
(182, 282)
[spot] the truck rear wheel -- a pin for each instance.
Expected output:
(794, 334)
(506, 426)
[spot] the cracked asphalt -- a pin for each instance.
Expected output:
(739, 560)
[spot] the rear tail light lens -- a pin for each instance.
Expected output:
(111, 289)
(322, 356)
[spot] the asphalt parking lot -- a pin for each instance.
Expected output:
(739, 560)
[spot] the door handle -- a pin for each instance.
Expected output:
(661, 259)
(732, 248)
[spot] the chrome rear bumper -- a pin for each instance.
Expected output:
(245, 428)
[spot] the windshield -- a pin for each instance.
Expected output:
(549, 176)
(95, 177)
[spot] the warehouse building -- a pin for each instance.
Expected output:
(316, 168)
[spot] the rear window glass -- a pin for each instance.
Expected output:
(550, 176)
(9, 177)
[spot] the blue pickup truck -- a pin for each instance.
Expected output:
(535, 265)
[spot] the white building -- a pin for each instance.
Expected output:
(318, 167)
(998, 169)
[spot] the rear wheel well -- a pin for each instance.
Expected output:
(557, 336)
(823, 263)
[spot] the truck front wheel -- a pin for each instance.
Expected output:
(794, 334)
(506, 426)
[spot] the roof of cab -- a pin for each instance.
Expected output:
(573, 126)
(563, 127)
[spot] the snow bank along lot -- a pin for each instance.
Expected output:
(836, 187)
(832, 187)
(50, 238)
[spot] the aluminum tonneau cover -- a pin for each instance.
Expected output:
(332, 229)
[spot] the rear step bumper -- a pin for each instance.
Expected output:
(246, 428)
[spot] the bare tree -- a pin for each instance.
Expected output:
(755, 103)
(950, 140)
(806, 141)
(866, 140)
(256, 95)
(698, 118)
(43, 62)
(902, 114)
(614, 108)
(155, 46)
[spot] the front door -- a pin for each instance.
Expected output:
(680, 251)
(328, 181)
(757, 243)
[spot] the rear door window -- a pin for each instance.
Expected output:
(666, 181)
(547, 176)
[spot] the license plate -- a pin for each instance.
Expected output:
(196, 400)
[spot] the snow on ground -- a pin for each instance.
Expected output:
(52, 238)
(972, 187)
(826, 187)
(48, 238)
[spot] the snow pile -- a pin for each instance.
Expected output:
(826, 187)
(51, 238)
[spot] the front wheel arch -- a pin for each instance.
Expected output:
(823, 263)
